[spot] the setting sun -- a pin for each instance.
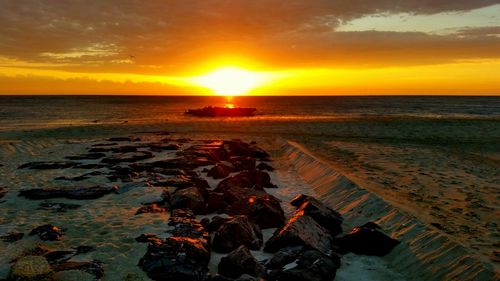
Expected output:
(230, 81)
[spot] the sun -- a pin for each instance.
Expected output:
(230, 81)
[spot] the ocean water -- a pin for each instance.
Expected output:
(36, 112)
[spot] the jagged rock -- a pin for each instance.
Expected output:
(366, 240)
(93, 267)
(180, 215)
(176, 258)
(147, 238)
(298, 200)
(265, 167)
(192, 228)
(251, 179)
(219, 171)
(41, 165)
(189, 198)
(81, 193)
(239, 262)
(48, 232)
(128, 157)
(240, 148)
(151, 208)
(324, 216)
(309, 265)
(31, 268)
(58, 207)
(215, 202)
(88, 156)
(216, 222)
(12, 237)
(283, 257)
(241, 163)
(236, 232)
(300, 230)
(264, 210)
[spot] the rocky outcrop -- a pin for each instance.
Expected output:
(189, 198)
(3, 191)
(366, 240)
(324, 216)
(220, 171)
(151, 208)
(31, 268)
(236, 232)
(79, 193)
(263, 209)
(239, 262)
(48, 232)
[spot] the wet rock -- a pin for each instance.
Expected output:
(104, 144)
(265, 167)
(12, 237)
(220, 171)
(3, 191)
(283, 257)
(176, 258)
(90, 166)
(264, 210)
(300, 230)
(215, 202)
(252, 179)
(88, 156)
(192, 228)
(189, 198)
(47, 165)
(128, 157)
(246, 277)
(31, 268)
(216, 222)
(298, 200)
(48, 232)
(54, 257)
(121, 139)
(58, 207)
(93, 267)
(240, 148)
(309, 265)
(147, 238)
(366, 240)
(151, 208)
(241, 163)
(81, 193)
(239, 262)
(324, 216)
(236, 232)
(164, 147)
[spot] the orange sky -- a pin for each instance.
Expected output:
(313, 47)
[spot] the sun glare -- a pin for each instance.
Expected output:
(230, 81)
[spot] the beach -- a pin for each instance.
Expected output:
(429, 181)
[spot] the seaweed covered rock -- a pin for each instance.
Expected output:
(236, 232)
(366, 240)
(239, 262)
(31, 268)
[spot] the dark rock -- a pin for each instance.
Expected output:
(215, 202)
(81, 193)
(192, 228)
(48, 232)
(240, 148)
(147, 238)
(88, 156)
(163, 147)
(93, 267)
(54, 257)
(220, 171)
(151, 208)
(180, 216)
(176, 258)
(47, 165)
(239, 262)
(12, 237)
(3, 191)
(58, 207)
(366, 240)
(104, 144)
(265, 167)
(189, 198)
(83, 249)
(121, 139)
(216, 222)
(246, 277)
(205, 222)
(264, 210)
(128, 157)
(90, 166)
(298, 200)
(324, 216)
(241, 163)
(283, 257)
(236, 232)
(310, 265)
(253, 179)
(300, 230)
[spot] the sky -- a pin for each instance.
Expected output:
(297, 47)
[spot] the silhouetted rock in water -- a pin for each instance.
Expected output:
(192, 228)
(283, 257)
(104, 144)
(216, 111)
(298, 200)
(122, 139)
(240, 148)
(366, 240)
(253, 179)
(176, 258)
(90, 166)
(31, 268)
(81, 193)
(88, 156)
(93, 267)
(151, 208)
(82, 177)
(158, 147)
(41, 165)
(128, 157)
(58, 207)
(241, 163)
(306, 265)
(54, 257)
(180, 215)
(263, 209)
(3, 191)
(220, 171)
(12, 237)
(300, 230)
(48, 232)
(216, 222)
(236, 232)
(324, 216)
(239, 262)
(215, 202)
(147, 238)
(265, 167)
(189, 198)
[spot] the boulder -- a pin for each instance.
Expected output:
(31, 268)
(12, 237)
(180, 215)
(81, 193)
(250, 179)
(189, 198)
(220, 171)
(151, 208)
(264, 210)
(236, 232)
(300, 230)
(298, 200)
(366, 240)
(48, 232)
(216, 222)
(215, 202)
(265, 167)
(239, 262)
(176, 258)
(240, 148)
(324, 216)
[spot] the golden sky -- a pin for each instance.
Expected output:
(260, 47)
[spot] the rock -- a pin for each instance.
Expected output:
(239, 262)
(283, 257)
(147, 238)
(83, 249)
(128, 157)
(73, 275)
(246, 277)
(151, 208)
(265, 167)
(176, 258)
(58, 207)
(90, 166)
(216, 222)
(81, 193)
(180, 215)
(192, 228)
(251, 179)
(324, 216)
(298, 200)
(300, 230)
(215, 202)
(366, 240)
(241, 163)
(120, 139)
(309, 265)
(240, 148)
(48, 232)
(47, 165)
(219, 171)
(158, 147)
(31, 268)
(12, 237)
(88, 156)
(189, 198)
(264, 210)
(236, 232)
(54, 257)
(3, 191)
(93, 267)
